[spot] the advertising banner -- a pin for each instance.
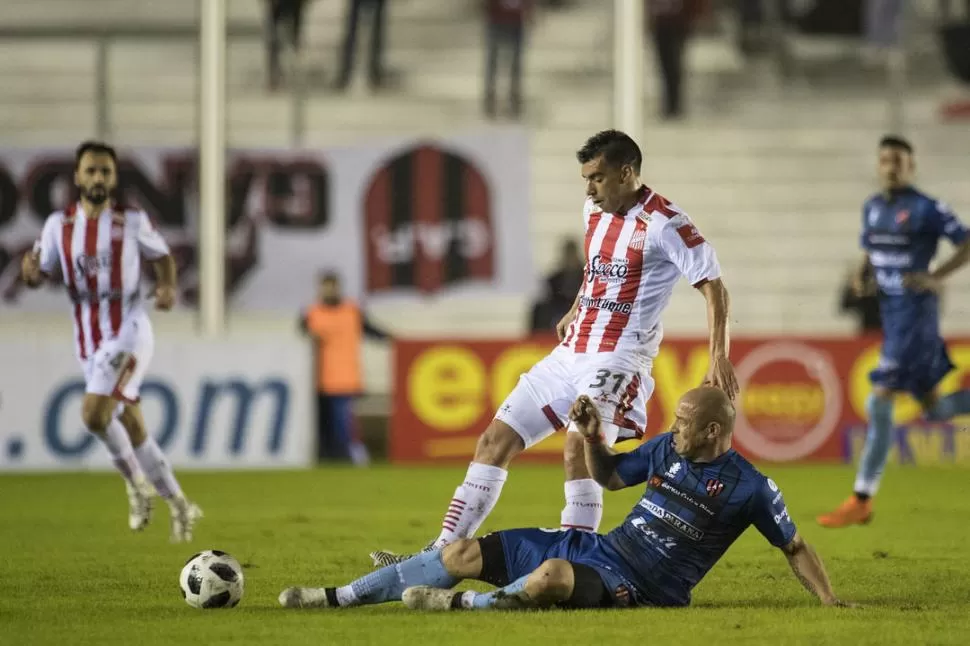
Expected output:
(208, 404)
(396, 219)
(801, 399)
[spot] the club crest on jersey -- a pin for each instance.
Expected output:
(714, 487)
(639, 238)
(902, 217)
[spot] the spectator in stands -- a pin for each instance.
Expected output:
(337, 326)
(882, 22)
(507, 21)
(287, 16)
(560, 289)
(376, 71)
(861, 300)
(670, 23)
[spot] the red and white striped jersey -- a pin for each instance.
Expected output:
(100, 260)
(633, 262)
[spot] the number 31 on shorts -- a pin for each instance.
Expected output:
(603, 376)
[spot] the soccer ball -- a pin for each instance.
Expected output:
(212, 579)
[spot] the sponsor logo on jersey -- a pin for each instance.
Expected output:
(605, 304)
(890, 259)
(681, 496)
(608, 270)
(673, 520)
(690, 235)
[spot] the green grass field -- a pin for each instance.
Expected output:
(73, 574)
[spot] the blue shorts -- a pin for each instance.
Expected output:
(526, 549)
(912, 362)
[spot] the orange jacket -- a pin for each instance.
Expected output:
(338, 331)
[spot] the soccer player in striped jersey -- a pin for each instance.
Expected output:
(638, 246)
(97, 245)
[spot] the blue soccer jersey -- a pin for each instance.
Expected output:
(689, 515)
(900, 236)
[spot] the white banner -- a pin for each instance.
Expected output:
(399, 219)
(209, 404)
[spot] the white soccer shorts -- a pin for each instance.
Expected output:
(120, 364)
(618, 383)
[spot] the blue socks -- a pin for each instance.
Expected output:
(953, 405)
(388, 583)
(879, 439)
(507, 597)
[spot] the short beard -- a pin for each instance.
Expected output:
(97, 198)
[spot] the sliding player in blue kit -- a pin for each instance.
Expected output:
(700, 497)
(901, 229)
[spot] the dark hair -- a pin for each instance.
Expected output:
(617, 148)
(96, 147)
(895, 141)
(329, 276)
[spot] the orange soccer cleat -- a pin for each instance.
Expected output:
(851, 512)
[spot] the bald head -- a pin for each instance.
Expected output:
(703, 424)
(712, 405)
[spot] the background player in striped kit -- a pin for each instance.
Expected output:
(638, 245)
(98, 246)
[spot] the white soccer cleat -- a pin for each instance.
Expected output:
(184, 516)
(139, 505)
(383, 558)
(423, 597)
(304, 598)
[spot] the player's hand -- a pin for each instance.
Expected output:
(862, 287)
(164, 297)
(922, 282)
(563, 324)
(586, 417)
(30, 267)
(721, 375)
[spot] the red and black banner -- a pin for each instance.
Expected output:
(428, 222)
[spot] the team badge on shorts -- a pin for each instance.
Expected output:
(714, 487)
(621, 596)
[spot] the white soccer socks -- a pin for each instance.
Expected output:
(473, 501)
(584, 505)
(116, 439)
(158, 469)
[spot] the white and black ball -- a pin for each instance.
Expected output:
(212, 579)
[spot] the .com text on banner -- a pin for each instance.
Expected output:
(801, 399)
(224, 404)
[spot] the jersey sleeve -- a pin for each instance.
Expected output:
(151, 244)
(950, 226)
(636, 466)
(770, 514)
(683, 245)
(50, 256)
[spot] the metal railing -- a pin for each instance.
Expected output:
(104, 36)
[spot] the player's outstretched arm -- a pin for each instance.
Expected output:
(600, 460)
(809, 570)
(721, 373)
